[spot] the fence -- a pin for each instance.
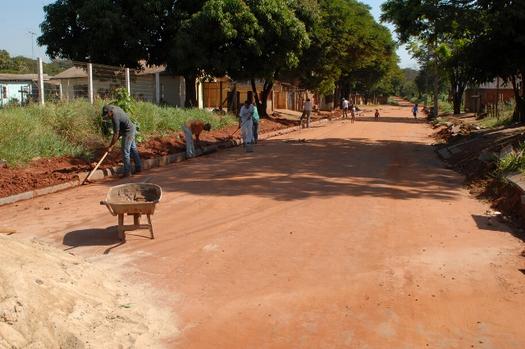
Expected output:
(91, 81)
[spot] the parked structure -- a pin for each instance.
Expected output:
(18, 88)
(224, 93)
(477, 98)
(152, 84)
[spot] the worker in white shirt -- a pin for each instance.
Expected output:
(307, 113)
(345, 105)
(246, 125)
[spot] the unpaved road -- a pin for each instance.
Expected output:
(356, 238)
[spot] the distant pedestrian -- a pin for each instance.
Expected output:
(307, 112)
(125, 128)
(345, 105)
(255, 120)
(376, 115)
(246, 125)
(414, 110)
(352, 112)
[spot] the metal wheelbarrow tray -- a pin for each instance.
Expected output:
(133, 199)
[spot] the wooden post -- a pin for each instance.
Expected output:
(128, 83)
(90, 82)
(60, 91)
(157, 88)
(220, 94)
(40, 81)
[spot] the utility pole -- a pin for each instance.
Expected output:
(33, 34)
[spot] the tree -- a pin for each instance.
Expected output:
(279, 45)
(436, 30)
(101, 31)
(497, 49)
(213, 41)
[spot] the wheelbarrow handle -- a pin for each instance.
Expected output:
(109, 207)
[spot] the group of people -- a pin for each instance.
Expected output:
(126, 130)
(346, 106)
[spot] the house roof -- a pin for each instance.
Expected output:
(492, 85)
(153, 69)
(71, 73)
(21, 77)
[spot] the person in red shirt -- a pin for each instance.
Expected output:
(193, 128)
(196, 127)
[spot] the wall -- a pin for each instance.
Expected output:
(10, 90)
(172, 90)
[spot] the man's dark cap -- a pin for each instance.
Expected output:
(105, 110)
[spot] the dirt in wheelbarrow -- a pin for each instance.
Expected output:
(44, 172)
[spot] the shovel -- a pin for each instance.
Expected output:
(96, 167)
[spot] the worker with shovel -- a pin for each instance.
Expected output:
(193, 127)
(125, 128)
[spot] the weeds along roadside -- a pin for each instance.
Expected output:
(75, 128)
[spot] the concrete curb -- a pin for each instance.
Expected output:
(146, 165)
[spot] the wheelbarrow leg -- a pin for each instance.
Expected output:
(150, 227)
(120, 229)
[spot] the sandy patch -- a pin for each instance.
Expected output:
(51, 299)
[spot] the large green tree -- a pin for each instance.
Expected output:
(115, 32)
(436, 30)
(279, 46)
(497, 48)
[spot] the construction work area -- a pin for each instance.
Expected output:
(342, 235)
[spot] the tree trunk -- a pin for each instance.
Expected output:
(262, 103)
(457, 98)
(191, 93)
(436, 95)
(519, 110)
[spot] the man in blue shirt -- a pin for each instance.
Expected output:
(123, 126)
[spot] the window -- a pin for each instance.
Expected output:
(4, 92)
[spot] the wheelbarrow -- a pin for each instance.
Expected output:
(133, 199)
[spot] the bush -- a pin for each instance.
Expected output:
(512, 162)
(24, 137)
(392, 101)
(75, 128)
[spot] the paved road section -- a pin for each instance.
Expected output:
(340, 236)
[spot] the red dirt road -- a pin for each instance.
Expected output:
(357, 237)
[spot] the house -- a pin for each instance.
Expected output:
(18, 88)
(73, 83)
(477, 98)
(226, 93)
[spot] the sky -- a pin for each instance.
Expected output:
(20, 18)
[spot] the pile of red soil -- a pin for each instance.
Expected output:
(46, 172)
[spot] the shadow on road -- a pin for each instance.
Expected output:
(393, 119)
(297, 169)
(91, 237)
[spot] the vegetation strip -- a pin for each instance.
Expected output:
(148, 164)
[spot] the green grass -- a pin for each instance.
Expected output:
(74, 128)
(512, 162)
(392, 101)
(504, 119)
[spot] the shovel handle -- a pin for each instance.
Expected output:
(96, 167)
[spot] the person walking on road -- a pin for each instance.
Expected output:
(345, 105)
(414, 110)
(255, 120)
(246, 125)
(125, 128)
(376, 115)
(307, 113)
(352, 112)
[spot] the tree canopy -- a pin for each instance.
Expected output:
(322, 44)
